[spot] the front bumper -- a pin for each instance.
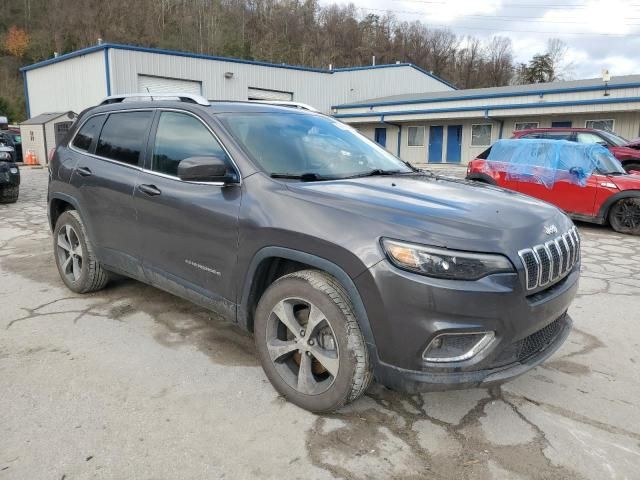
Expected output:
(409, 310)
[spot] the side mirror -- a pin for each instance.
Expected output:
(206, 169)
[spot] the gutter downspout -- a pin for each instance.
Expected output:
(107, 72)
(26, 94)
(498, 121)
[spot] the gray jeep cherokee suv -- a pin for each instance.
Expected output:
(346, 263)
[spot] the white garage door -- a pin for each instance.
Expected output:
(151, 84)
(263, 94)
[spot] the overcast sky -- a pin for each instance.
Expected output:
(599, 33)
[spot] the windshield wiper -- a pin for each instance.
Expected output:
(304, 177)
(377, 172)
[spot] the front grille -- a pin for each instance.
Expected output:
(548, 263)
(536, 342)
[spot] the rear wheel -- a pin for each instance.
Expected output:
(76, 261)
(624, 216)
(309, 342)
(9, 194)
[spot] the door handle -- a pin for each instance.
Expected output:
(151, 190)
(84, 171)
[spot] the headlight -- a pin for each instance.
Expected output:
(5, 156)
(13, 170)
(443, 263)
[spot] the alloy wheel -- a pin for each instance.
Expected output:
(628, 214)
(302, 346)
(69, 253)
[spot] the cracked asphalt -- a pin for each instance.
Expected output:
(134, 383)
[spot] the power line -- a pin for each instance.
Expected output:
(499, 18)
(519, 5)
(500, 29)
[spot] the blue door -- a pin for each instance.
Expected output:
(454, 143)
(566, 124)
(435, 144)
(380, 136)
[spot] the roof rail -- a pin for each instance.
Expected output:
(287, 103)
(182, 97)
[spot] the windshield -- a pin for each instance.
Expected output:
(297, 144)
(608, 164)
(614, 139)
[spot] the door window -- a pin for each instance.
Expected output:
(181, 136)
(89, 131)
(124, 136)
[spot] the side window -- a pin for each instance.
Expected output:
(124, 136)
(90, 130)
(181, 136)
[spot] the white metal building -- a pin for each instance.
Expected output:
(83, 78)
(455, 126)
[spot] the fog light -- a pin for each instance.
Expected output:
(456, 347)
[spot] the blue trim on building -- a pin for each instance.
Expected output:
(106, 70)
(487, 108)
(133, 48)
(26, 94)
(66, 56)
(589, 88)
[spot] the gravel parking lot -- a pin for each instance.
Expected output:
(132, 382)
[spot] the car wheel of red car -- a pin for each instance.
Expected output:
(624, 216)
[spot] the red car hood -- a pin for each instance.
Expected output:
(623, 153)
(626, 182)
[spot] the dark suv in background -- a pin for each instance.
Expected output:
(345, 262)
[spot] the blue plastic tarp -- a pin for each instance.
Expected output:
(546, 161)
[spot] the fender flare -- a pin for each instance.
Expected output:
(609, 202)
(316, 262)
(76, 205)
(481, 177)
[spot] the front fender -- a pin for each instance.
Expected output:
(316, 262)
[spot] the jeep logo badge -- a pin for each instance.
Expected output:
(550, 229)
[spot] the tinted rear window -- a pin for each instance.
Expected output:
(124, 136)
(88, 132)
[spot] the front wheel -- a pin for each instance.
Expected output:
(309, 342)
(624, 216)
(629, 166)
(9, 194)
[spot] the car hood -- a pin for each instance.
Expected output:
(441, 211)
(626, 182)
(624, 151)
(6, 149)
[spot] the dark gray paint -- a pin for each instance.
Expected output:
(205, 242)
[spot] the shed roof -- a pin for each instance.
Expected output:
(47, 117)
(626, 81)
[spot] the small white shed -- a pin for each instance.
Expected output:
(42, 133)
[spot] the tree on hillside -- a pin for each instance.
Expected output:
(16, 42)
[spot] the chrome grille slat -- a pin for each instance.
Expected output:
(549, 262)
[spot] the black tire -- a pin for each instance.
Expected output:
(353, 374)
(634, 165)
(9, 194)
(89, 276)
(624, 216)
